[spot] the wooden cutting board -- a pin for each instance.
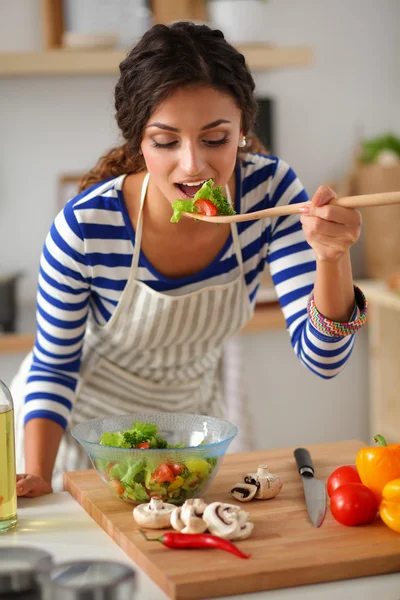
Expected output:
(286, 549)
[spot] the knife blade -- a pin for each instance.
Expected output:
(314, 489)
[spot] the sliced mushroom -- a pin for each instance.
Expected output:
(246, 527)
(193, 523)
(244, 491)
(198, 504)
(154, 515)
(226, 520)
(268, 484)
(176, 521)
(188, 517)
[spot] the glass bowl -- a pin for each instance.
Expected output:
(173, 474)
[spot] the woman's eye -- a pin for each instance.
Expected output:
(219, 142)
(167, 145)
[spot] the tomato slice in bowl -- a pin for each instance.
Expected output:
(162, 474)
(206, 207)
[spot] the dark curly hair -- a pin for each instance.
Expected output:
(168, 57)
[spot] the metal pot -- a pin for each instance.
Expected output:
(19, 568)
(88, 580)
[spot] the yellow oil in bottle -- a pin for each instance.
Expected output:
(8, 494)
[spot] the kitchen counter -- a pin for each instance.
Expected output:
(59, 525)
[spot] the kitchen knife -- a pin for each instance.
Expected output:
(314, 489)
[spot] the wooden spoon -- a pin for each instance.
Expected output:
(363, 201)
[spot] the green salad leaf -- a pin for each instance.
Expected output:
(136, 492)
(207, 192)
(181, 206)
(131, 438)
(116, 439)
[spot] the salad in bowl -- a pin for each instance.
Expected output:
(165, 455)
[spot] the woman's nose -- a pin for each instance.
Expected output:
(192, 161)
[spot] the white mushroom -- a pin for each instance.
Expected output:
(244, 491)
(198, 504)
(188, 517)
(176, 521)
(246, 527)
(268, 484)
(193, 523)
(154, 515)
(227, 521)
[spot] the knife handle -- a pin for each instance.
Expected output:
(304, 462)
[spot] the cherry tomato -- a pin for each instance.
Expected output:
(345, 474)
(162, 474)
(108, 468)
(353, 504)
(206, 207)
(117, 486)
(177, 468)
(144, 445)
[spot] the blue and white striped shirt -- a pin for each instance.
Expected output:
(87, 257)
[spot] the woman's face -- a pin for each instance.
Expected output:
(191, 137)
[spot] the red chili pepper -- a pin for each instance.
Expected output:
(195, 540)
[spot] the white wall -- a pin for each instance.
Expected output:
(55, 125)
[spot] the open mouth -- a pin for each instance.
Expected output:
(189, 190)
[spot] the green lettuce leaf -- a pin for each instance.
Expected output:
(181, 206)
(136, 492)
(115, 439)
(132, 473)
(207, 192)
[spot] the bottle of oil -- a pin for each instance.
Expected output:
(8, 493)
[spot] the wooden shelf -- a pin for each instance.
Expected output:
(266, 316)
(69, 62)
(11, 343)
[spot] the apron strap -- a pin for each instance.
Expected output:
(139, 227)
(235, 237)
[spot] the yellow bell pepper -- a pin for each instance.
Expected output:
(175, 485)
(198, 466)
(378, 465)
(389, 508)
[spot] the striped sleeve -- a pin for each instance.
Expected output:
(61, 315)
(292, 266)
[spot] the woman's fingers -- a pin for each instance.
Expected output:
(32, 486)
(330, 230)
(347, 232)
(337, 214)
(323, 195)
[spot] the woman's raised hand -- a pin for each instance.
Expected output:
(330, 230)
(32, 486)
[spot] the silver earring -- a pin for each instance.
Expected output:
(242, 142)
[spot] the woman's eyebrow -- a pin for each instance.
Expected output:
(169, 128)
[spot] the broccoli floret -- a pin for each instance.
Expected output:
(133, 437)
(219, 200)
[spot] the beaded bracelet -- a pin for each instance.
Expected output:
(334, 328)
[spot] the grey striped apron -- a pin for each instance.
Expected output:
(157, 353)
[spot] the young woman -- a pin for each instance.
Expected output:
(133, 310)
